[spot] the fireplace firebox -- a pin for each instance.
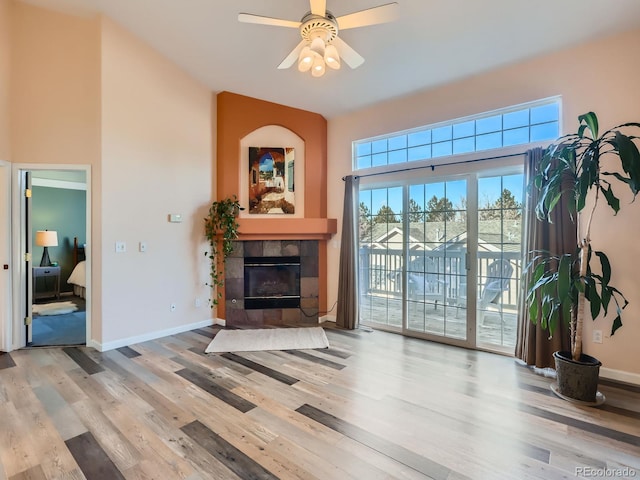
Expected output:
(271, 282)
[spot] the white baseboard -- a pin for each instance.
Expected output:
(220, 321)
(124, 342)
(327, 318)
(620, 376)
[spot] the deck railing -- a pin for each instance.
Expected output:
(382, 272)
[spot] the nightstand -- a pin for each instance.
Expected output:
(45, 273)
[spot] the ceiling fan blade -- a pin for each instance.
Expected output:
(293, 56)
(276, 22)
(348, 54)
(319, 7)
(372, 16)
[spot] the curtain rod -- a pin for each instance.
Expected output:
(433, 166)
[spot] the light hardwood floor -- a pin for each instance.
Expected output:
(373, 406)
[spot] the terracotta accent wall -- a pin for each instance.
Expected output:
(237, 116)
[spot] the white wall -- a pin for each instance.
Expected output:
(156, 159)
(601, 76)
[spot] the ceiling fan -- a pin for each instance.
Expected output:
(320, 46)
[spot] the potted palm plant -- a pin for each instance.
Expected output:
(561, 286)
(221, 229)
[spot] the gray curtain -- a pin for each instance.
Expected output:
(347, 314)
(533, 344)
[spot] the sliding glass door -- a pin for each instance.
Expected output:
(436, 248)
(442, 258)
(499, 259)
(381, 257)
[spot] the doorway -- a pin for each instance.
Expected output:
(52, 204)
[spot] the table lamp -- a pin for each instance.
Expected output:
(46, 238)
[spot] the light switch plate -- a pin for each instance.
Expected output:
(121, 247)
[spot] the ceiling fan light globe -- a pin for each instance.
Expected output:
(331, 57)
(305, 60)
(318, 68)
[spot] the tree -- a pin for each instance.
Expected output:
(511, 208)
(385, 215)
(561, 286)
(439, 210)
(366, 222)
(415, 211)
(506, 206)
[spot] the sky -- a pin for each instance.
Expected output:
(266, 163)
(489, 189)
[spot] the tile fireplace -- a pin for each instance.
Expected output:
(272, 282)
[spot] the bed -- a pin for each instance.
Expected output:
(78, 275)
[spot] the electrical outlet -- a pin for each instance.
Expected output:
(597, 336)
(198, 302)
(173, 307)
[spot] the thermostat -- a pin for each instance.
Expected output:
(175, 217)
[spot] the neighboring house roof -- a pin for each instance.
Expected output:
(493, 235)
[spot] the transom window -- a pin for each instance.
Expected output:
(533, 122)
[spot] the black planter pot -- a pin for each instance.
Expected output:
(577, 380)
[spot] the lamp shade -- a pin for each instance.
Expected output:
(305, 59)
(331, 57)
(318, 68)
(47, 238)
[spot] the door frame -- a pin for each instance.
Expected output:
(15, 329)
(6, 304)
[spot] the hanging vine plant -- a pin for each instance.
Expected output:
(221, 229)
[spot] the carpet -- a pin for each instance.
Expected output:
(268, 339)
(55, 308)
(67, 329)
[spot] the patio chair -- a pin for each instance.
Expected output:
(425, 286)
(497, 281)
(422, 281)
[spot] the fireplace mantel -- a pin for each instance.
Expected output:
(287, 228)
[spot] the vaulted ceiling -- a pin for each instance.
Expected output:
(432, 43)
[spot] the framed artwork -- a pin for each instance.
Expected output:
(271, 180)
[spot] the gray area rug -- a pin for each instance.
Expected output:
(268, 339)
